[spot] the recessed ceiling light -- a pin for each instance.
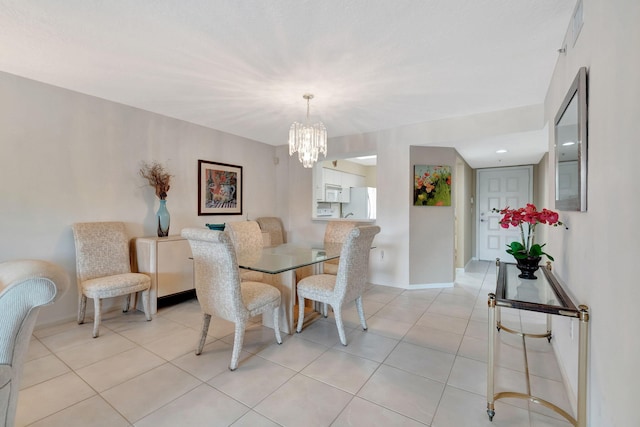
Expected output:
(366, 157)
(501, 151)
(566, 144)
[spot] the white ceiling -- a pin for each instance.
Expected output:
(241, 66)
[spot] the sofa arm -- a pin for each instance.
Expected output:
(24, 285)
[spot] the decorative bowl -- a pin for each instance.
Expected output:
(218, 227)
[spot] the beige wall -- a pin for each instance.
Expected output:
(597, 256)
(68, 157)
(465, 212)
(432, 228)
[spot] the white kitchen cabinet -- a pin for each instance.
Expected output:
(167, 261)
(353, 180)
(345, 195)
(332, 177)
(318, 182)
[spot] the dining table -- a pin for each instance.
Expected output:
(280, 263)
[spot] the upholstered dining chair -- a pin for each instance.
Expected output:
(25, 286)
(246, 237)
(103, 269)
(336, 232)
(274, 227)
(220, 291)
(348, 285)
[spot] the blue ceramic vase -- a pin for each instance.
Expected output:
(164, 219)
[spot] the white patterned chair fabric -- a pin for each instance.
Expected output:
(274, 227)
(348, 285)
(336, 232)
(220, 291)
(246, 237)
(103, 268)
(25, 286)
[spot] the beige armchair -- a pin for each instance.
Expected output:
(246, 237)
(220, 291)
(25, 286)
(274, 227)
(348, 285)
(336, 232)
(104, 269)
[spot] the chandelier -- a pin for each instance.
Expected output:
(308, 140)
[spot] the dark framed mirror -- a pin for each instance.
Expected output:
(571, 147)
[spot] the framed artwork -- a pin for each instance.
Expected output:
(432, 185)
(219, 188)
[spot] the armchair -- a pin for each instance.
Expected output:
(25, 286)
(345, 287)
(246, 237)
(103, 267)
(220, 291)
(336, 232)
(274, 227)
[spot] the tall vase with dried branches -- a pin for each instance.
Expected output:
(159, 178)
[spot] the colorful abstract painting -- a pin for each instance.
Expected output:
(219, 188)
(432, 185)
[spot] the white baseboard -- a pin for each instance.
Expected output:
(417, 285)
(428, 285)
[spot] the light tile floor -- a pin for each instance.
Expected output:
(422, 362)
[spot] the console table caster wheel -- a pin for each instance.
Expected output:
(491, 413)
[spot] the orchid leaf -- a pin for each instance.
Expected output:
(518, 251)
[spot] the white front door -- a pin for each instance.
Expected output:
(499, 188)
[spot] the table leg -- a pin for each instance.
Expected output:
(582, 365)
(285, 282)
(490, 356)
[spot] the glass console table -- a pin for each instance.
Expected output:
(543, 295)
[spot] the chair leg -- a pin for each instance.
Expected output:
(97, 316)
(203, 335)
(337, 312)
(300, 313)
(146, 304)
(82, 308)
(360, 308)
(127, 303)
(276, 323)
(238, 339)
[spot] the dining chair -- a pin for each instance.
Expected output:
(336, 232)
(25, 286)
(274, 227)
(220, 291)
(103, 268)
(348, 285)
(246, 237)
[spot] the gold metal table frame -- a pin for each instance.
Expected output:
(548, 297)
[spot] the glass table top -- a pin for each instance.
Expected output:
(544, 294)
(289, 256)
